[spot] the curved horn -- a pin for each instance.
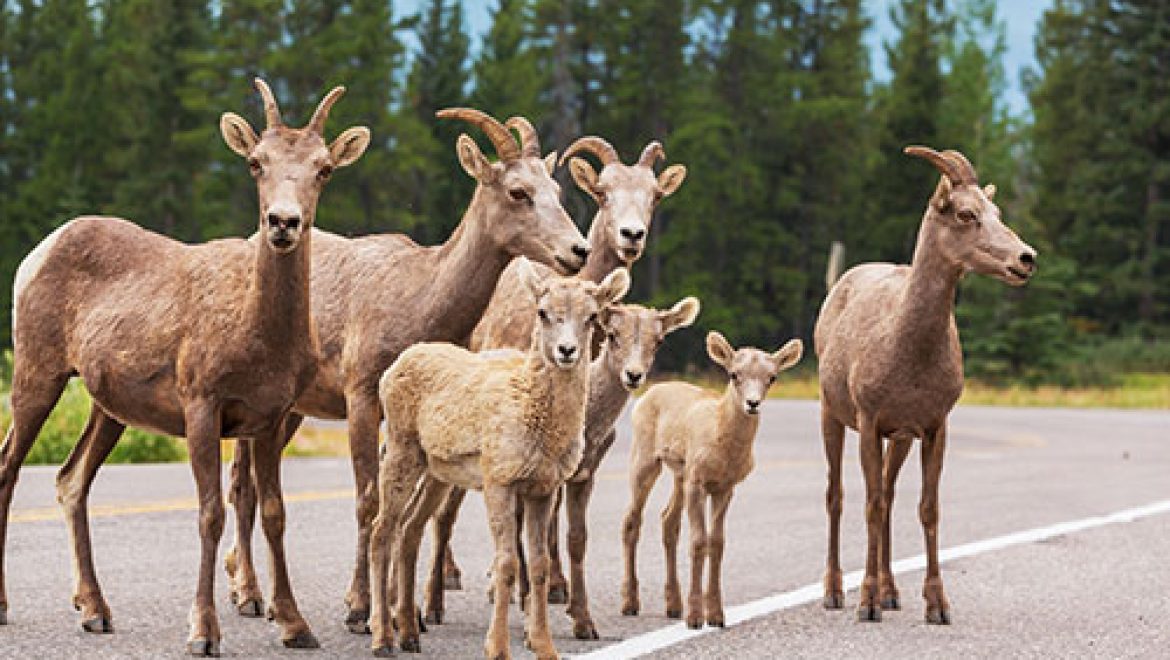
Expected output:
(501, 137)
(529, 140)
(317, 123)
(651, 154)
(948, 167)
(965, 166)
(594, 145)
(271, 110)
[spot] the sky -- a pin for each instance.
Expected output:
(1021, 16)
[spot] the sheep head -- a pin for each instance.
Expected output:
(567, 310)
(751, 371)
(633, 334)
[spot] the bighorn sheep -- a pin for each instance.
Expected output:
(707, 442)
(633, 335)
(891, 367)
(200, 341)
(509, 426)
(626, 196)
(375, 296)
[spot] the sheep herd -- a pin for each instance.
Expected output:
(499, 362)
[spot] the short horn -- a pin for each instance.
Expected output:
(529, 140)
(317, 123)
(594, 145)
(651, 154)
(501, 137)
(948, 167)
(964, 165)
(271, 110)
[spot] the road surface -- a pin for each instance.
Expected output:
(1099, 591)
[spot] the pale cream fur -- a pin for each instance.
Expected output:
(706, 441)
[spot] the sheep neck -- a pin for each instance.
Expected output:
(468, 267)
(603, 258)
(278, 295)
(737, 429)
(555, 396)
(607, 395)
(926, 310)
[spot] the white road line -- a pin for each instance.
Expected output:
(674, 634)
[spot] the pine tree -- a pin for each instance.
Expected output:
(508, 75)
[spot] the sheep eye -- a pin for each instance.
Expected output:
(325, 172)
(542, 314)
(254, 165)
(734, 377)
(591, 319)
(520, 195)
(771, 379)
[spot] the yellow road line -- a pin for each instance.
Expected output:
(186, 504)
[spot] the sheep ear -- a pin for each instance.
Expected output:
(237, 133)
(788, 356)
(681, 315)
(473, 161)
(989, 190)
(719, 349)
(532, 281)
(585, 176)
(941, 199)
(550, 162)
(671, 178)
(349, 146)
(613, 287)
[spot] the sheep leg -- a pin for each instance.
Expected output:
(557, 584)
(429, 495)
(643, 474)
(938, 608)
(577, 515)
(73, 484)
(33, 398)
(401, 468)
(696, 513)
(202, 421)
(671, 524)
(833, 433)
(896, 453)
(364, 415)
(243, 585)
(501, 506)
(871, 467)
(715, 542)
(537, 511)
(266, 450)
(444, 572)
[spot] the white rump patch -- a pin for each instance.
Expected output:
(31, 265)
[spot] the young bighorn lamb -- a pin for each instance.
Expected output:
(626, 196)
(201, 341)
(891, 367)
(509, 426)
(707, 442)
(633, 335)
(374, 296)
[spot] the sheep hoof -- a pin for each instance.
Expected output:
(938, 616)
(251, 607)
(557, 595)
(630, 610)
(357, 622)
(98, 624)
(301, 640)
(435, 618)
(203, 648)
(672, 614)
(716, 622)
(410, 645)
(834, 600)
(869, 613)
(891, 603)
(585, 630)
(452, 582)
(422, 625)
(694, 623)
(3, 615)
(384, 651)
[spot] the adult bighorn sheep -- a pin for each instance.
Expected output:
(891, 367)
(626, 196)
(201, 341)
(375, 296)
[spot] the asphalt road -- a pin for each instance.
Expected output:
(1099, 592)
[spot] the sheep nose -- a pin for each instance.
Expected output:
(566, 351)
(284, 222)
(1029, 260)
(633, 234)
(633, 377)
(753, 404)
(581, 250)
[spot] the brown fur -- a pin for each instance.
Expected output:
(510, 426)
(375, 296)
(202, 341)
(891, 367)
(706, 441)
(626, 196)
